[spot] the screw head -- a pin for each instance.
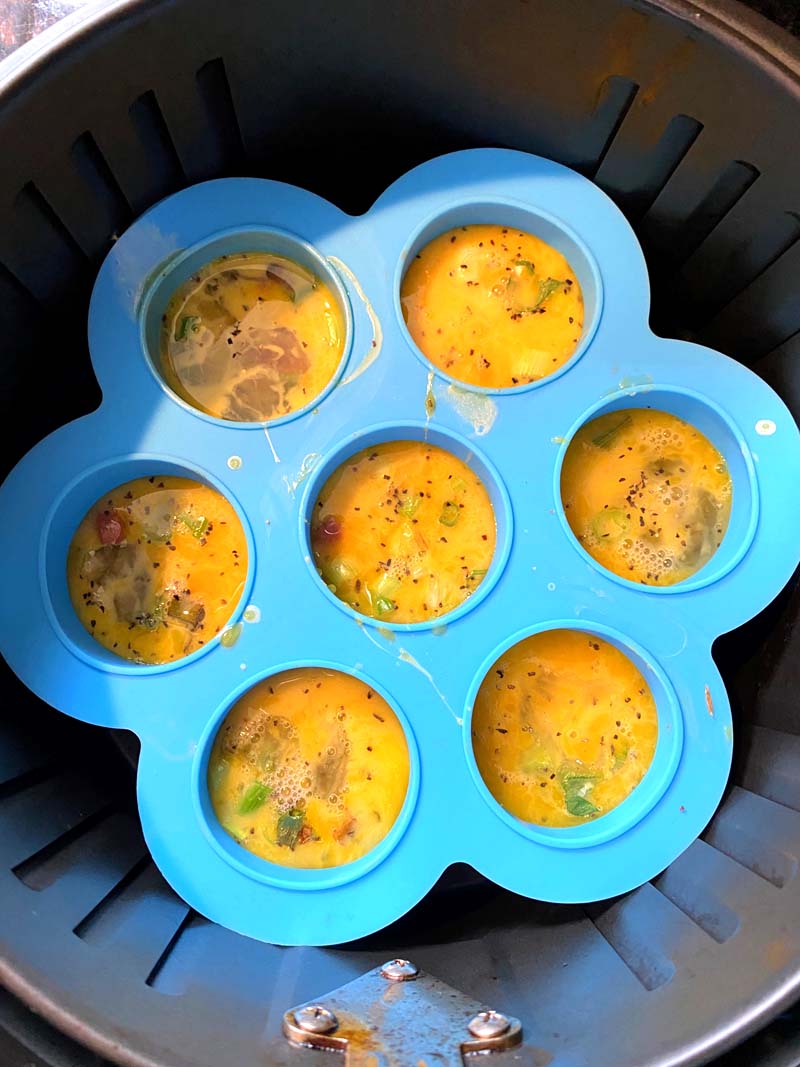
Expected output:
(315, 1019)
(399, 971)
(488, 1024)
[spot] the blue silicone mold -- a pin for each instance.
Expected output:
(430, 673)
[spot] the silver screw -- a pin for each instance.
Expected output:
(315, 1019)
(399, 971)
(488, 1024)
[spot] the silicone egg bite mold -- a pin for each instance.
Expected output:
(540, 577)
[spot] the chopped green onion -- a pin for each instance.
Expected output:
(409, 506)
(383, 605)
(234, 833)
(187, 323)
(604, 439)
(254, 797)
(449, 515)
(478, 573)
(620, 754)
(196, 526)
(289, 826)
(526, 265)
(458, 485)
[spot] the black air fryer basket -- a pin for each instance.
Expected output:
(688, 116)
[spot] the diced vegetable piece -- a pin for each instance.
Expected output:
(621, 750)
(609, 523)
(197, 525)
(329, 529)
(383, 605)
(183, 609)
(110, 528)
(254, 797)
(576, 789)
(546, 290)
(524, 265)
(478, 572)
(289, 826)
(409, 506)
(606, 438)
(187, 324)
(449, 515)
(237, 836)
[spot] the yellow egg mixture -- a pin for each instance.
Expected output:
(156, 568)
(564, 727)
(403, 531)
(251, 337)
(310, 768)
(646, 494)
(493, 306)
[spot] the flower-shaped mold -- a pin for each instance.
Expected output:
(540, 578)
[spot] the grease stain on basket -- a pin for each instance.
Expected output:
(252, 613)
(430, 399)
(709, 702)
(376, 343)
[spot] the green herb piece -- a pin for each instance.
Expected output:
(458, 485)
(580, 806)
(187, 323)
(197, 526)
(610, 522)
(546, 290)
(383, 605)
(253, 798)
(478, 573)
(606, 438)
(576, 789)
(449, 515)
(289, 826)
(409, 506)
(234, 833)
(526, 265)
(621, 750)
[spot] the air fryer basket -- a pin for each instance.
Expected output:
(688, 118)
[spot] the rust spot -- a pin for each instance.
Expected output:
(709, 702)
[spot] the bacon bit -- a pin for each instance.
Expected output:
(329, 529)
(110, 528)
(709, 702)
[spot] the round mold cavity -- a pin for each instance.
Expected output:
(511, 213)
(298, 878)
(657, 778)
(177, 269)
(449, 441)
(60, 525)
(720, 429)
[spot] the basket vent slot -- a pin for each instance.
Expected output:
(89, 924)
(159, 149)
(48, 864)
(759, 835)
(731, 185)
(215, 92)
(631, 927)
(27, 780)
(614, 101)
(698, 902)
(636, 186)
(158, 978)
(94, 170)
(40, 251)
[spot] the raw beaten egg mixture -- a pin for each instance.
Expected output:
(156, 568)
(403, 531)
(251, 337)
(310, 768)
